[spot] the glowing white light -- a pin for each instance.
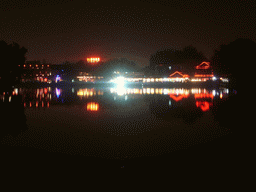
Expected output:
(214, 78)
(213, 92)
(120, 90)
(16, 91)
(120, 81)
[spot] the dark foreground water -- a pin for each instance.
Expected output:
(119, 127)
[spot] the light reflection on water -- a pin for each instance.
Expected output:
(151, 116)
(45, 97)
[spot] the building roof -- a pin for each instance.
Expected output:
(203, 65)
(177, 74)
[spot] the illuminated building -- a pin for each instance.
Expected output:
(93, 60)
(178, 77)
(203, 72)
(88, 77)
(35, 71)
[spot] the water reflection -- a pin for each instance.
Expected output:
(92, 106)
(170, 113)
(44, 97)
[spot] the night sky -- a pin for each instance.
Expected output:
(73, 30)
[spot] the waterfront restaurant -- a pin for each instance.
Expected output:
(35, 71)
(203, 72)
(178, 77)
(88, 77)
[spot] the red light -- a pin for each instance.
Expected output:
(203, 95)
(203, 75)
(179, 97)
(177, 72)
(92, 106)
(203, 65)
(204, 105)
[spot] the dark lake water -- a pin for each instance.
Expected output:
(117, 122)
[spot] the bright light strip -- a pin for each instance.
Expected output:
(93, 59)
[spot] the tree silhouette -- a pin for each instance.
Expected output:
(185, 59)
(117, 64)
(12, 57)
(233, 60)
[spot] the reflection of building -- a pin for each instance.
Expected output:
(203, 72)
(92, 106)
(89, 92)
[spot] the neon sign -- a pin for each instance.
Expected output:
(177, 72)
(203, 65)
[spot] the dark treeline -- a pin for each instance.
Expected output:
(228, 60)
(13, 119)
(234, 60)
(71, 70)
(11, 56)
(185, 60)
(117, 64)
